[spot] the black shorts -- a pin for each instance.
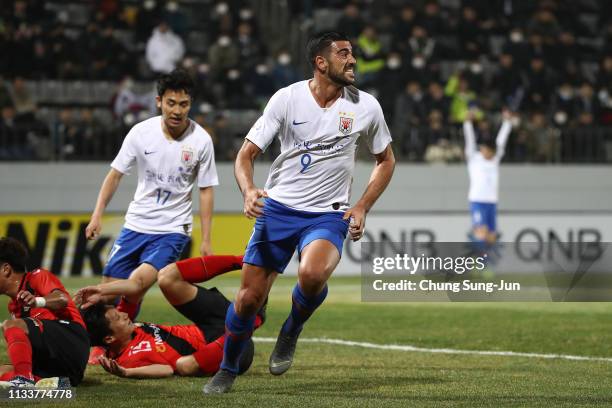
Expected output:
(60, 348)
(207, 311)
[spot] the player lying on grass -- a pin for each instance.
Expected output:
(45, 336)
(147, 350)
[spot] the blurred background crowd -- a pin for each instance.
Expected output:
(76, 74)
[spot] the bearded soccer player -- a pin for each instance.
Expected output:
(45, 336)
(147, 350)
(306, 200)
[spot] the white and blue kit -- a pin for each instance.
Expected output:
(159, 219)
(309, 184)
(484, 176)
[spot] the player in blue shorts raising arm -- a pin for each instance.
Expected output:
(171, 154)
(306, 198)
(483, 168)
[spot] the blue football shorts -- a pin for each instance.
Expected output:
(134, 248)
(280, 230)
(484, 214)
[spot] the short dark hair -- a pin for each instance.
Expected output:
(177, 80)
(14, 253)
(318, 43)
(97, 324)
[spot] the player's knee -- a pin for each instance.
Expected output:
(187, 366)
(248, 301)
(312, 277)
(168, 275)
(19, 323)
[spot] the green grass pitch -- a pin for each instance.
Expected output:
(326, 375)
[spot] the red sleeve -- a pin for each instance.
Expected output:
(44, 282)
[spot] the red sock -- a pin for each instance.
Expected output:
(209, 357)
(196, 270)
(131, 309)
(19, 351)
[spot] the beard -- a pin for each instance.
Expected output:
(339, 78)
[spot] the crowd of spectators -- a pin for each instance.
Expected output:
(427, 61)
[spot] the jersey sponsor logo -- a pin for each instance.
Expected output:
(346, 125)
(298, 123)
(148, 153)
(144, 345)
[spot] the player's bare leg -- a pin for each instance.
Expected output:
(319, 259)
(254, 288)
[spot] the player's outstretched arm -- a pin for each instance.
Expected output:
(109, 186)
(470, 136)
(150, 371)
(243, 171)
(504, 133)
(379, 180)
(135, 286)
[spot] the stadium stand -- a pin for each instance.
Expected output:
(77, 74)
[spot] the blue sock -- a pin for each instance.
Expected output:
(301, 310)
(238, 331)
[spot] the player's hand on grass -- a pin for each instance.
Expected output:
(111, 366)
(26, 298)
(94, 228)
(253, 208)
(88, 296)
(357, 216)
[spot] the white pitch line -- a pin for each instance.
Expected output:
(399, 347)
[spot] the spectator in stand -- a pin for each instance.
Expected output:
(563, 104)
(508, 80)
(149, 13)
(436, 101)
(470, 35)
(62, 48)
(283, 72)
(223, 55)
(23, 101)
(351, 23)
(586, 106)
(262, 83)
(14, 143)
(409, 114)
(432, 20)
(462, 98)
(540, 85)
(5, 94)
(176, 18)
(537, 141)
(420, 44)
(164, 49)
(517, 47)
(604, 89)
(90, 139)
(391, 81)
(402, 28)
(250, 50)
(370, 59)
(545, 24)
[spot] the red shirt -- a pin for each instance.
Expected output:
(41, 282)
(157, 344)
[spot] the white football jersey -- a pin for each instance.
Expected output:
(167, 171)
(314, 170)
(484, 174)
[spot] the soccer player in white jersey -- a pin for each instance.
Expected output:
(171, 153)
(483, 168)
(306, 199)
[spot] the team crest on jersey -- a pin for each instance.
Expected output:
(187, 156)
(346, 125)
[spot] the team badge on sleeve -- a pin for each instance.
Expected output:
(346, 125)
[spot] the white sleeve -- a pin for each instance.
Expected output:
(502, 138)
(378, 136)
(268, 125)
(125, 159)
(207, 172)
(470, 139)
